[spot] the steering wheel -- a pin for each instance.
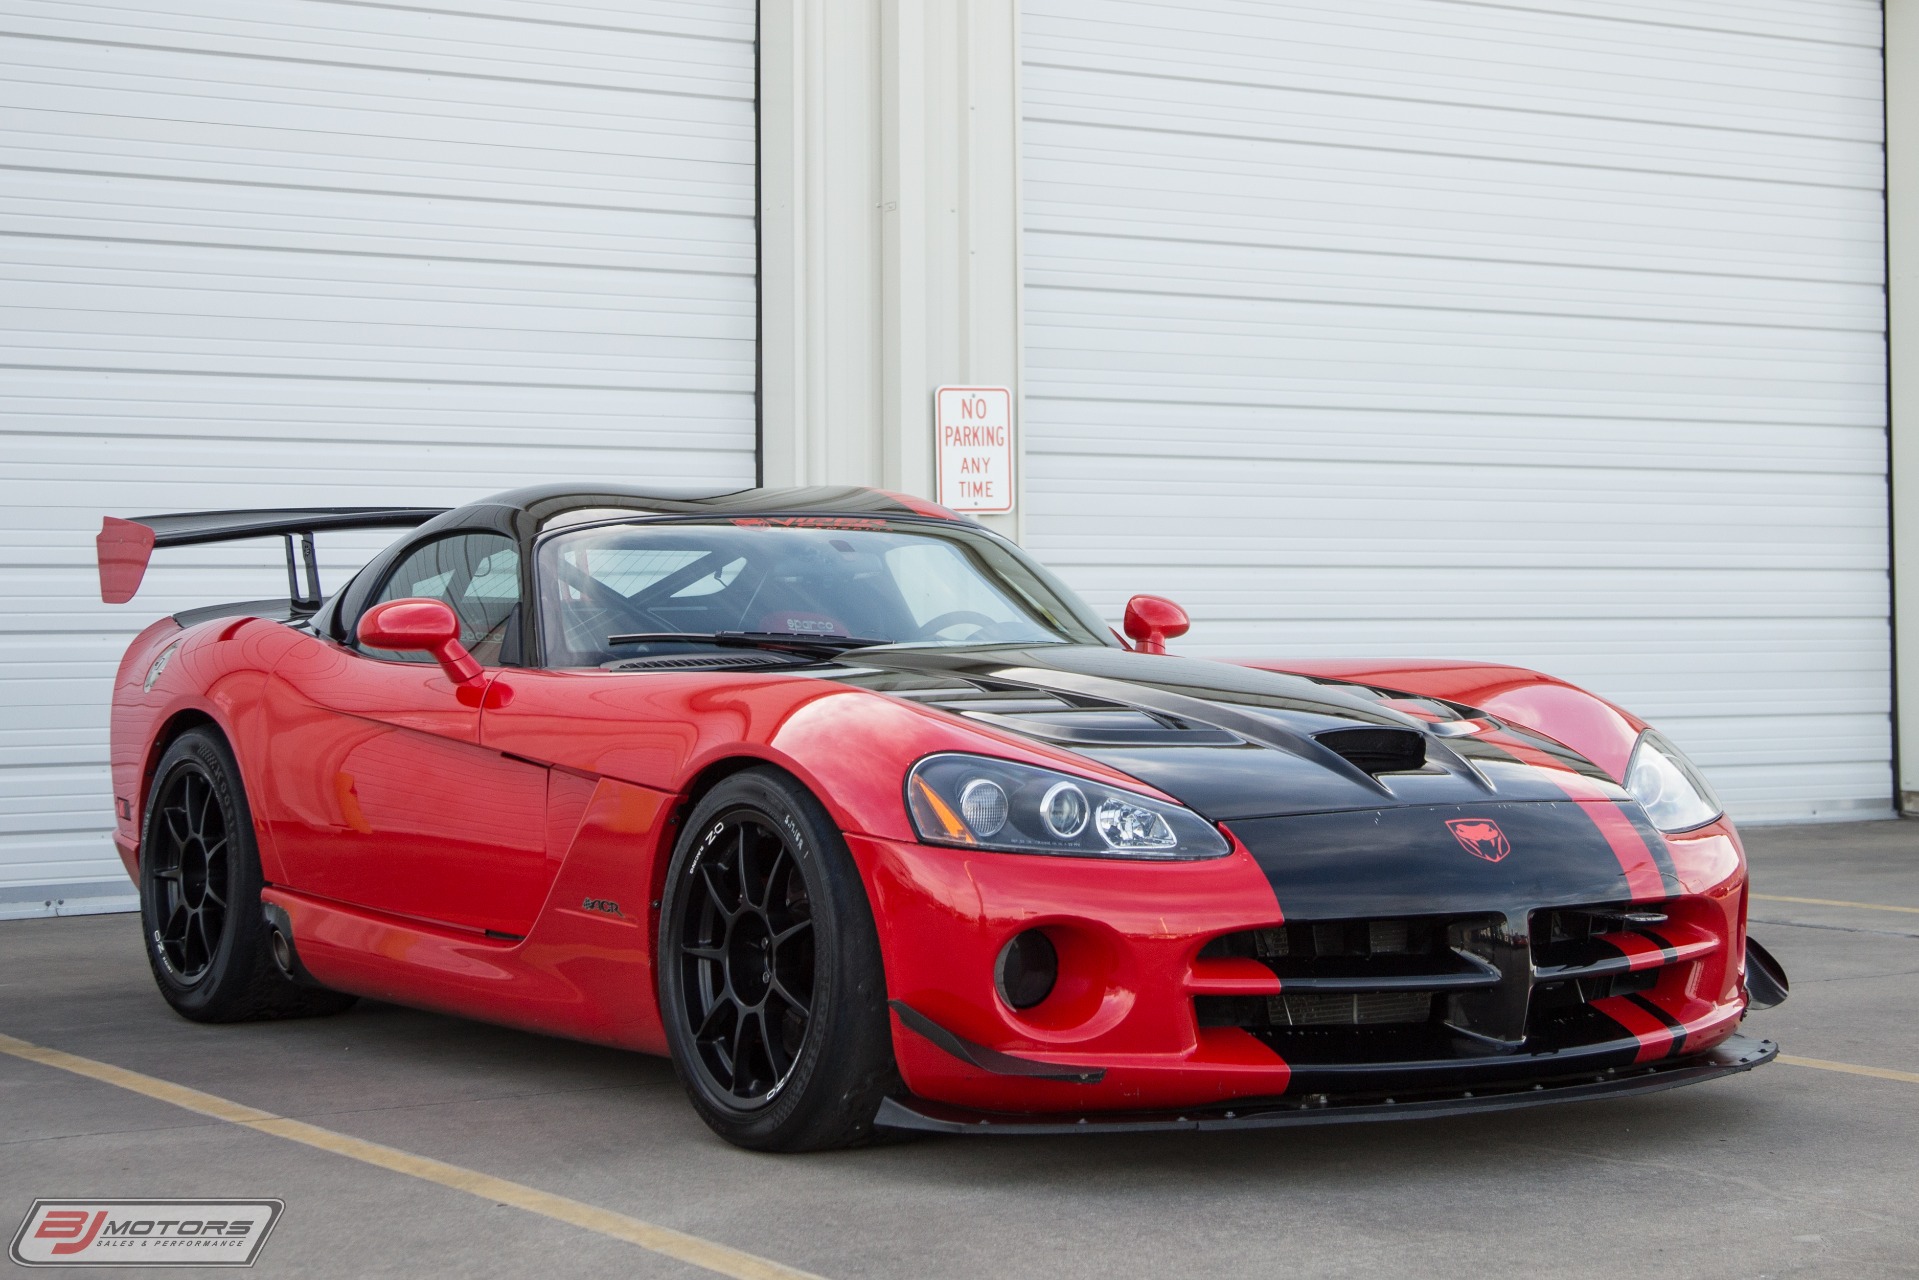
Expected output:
(953, 618)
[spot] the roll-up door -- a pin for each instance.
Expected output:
(305, 252)
(1549, 333)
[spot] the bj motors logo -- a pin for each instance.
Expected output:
(144, 1233)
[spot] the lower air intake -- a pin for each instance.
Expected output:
(1356, 1009)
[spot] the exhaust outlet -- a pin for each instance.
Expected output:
(286, 957)
(281, 949)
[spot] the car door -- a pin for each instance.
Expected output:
(380, 794)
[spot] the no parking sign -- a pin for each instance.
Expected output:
(974, 432)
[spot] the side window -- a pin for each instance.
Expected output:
(476, 573)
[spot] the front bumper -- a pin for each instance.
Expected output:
(1733, 1055)
(1150, 1016)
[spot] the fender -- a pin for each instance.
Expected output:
(1595, 728)
(215, 670)
(850, 747)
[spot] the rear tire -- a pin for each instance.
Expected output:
(771, 984)
(206, 939)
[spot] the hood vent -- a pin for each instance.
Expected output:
(703, 661)
(1377, 750)
(1073, 720)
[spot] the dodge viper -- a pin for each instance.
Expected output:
(863, 818)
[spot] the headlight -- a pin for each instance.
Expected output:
(981, 803)
(1667, 784)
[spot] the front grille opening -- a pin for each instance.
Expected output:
(1344, 1009)
(1329, 948)
(1570, 937)
(1565, 936)
(1357, 991)
(1378, 750)
(1365, 999)
(1359, 1009)
(1561, 1012)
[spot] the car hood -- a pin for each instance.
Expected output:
(1233, 742)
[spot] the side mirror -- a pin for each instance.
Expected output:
(421, 626)
(1153, 620)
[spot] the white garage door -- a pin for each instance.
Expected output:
(305, 252)
(1548, 331)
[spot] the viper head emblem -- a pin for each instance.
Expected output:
(1480, 837)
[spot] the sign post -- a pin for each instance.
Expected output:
(974, 440)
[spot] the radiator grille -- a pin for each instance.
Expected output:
(1358, 1009)
(1430, 988)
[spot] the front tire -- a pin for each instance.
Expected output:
(200, 883)
(770, 979)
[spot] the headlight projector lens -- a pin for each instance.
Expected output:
(1028, 967)
(1064, 810)
(966, 801)
(1128, 826)
(983, 805)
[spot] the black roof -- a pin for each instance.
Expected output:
(538, 507)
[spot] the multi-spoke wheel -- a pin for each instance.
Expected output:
(770, 978)
(200, 894)
(747, 954)
(190, 862)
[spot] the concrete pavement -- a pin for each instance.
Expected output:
(1789, 1170)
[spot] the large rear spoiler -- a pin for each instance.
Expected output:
(126, 545)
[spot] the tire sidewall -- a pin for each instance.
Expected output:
(240, 942)
(847, 974)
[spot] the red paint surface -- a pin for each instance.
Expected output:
(123, 547)
(398, 822)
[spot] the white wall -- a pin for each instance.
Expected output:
(889, 169)
(1902, 260)
(276, 252)
(1543, 333)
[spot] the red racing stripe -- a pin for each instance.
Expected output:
(1653, 1033)
(1641, 951)
(1643, 879)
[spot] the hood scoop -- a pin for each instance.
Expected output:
(1377, 749)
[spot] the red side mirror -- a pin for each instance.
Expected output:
(1153, 620)
(421, 626)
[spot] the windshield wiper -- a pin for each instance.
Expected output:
(798, 641)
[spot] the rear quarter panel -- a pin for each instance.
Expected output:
(217, 672)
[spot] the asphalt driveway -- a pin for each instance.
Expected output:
(517, 1156)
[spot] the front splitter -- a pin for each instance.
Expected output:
(1735, 1054)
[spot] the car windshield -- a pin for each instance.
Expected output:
(892, 582)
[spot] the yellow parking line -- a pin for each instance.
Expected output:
(1834, 902)
(1877, 1073)
(673, 1244)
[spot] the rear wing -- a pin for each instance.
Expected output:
(126, 545)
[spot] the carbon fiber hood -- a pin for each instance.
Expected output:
(1233, 742)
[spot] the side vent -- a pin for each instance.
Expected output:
(1377, 750)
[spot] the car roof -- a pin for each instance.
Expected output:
(554, 505)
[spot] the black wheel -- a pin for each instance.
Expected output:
(200, 894)
(770, 976)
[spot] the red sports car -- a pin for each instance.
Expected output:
(860, 815)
